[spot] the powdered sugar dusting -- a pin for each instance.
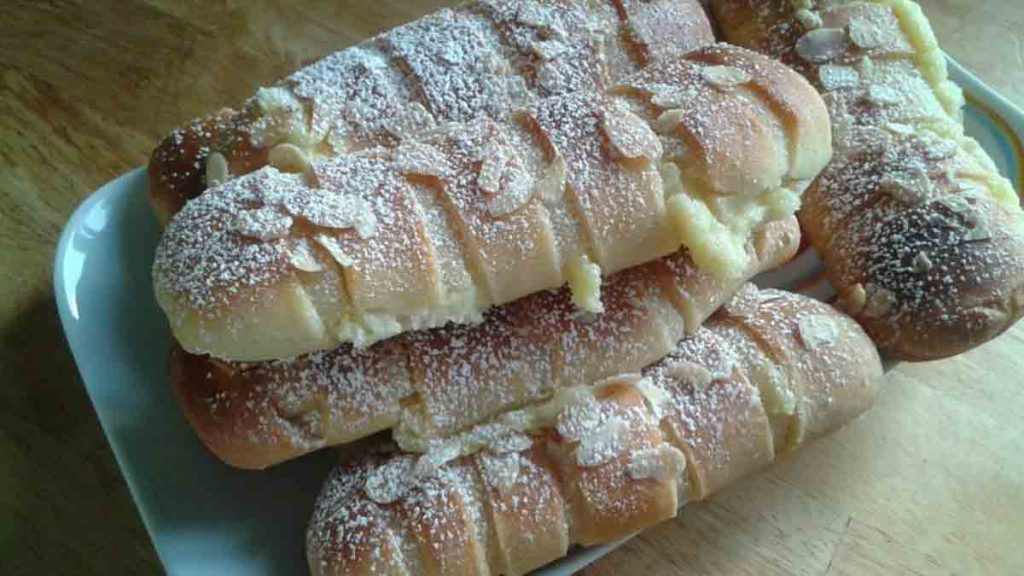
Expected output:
(211, 253)
(720, 431)
(603, 443)
(556, 49)
(451, 65)
(457, 63)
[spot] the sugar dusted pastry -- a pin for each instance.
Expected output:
(694, 151)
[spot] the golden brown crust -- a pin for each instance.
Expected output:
(253, 415)
(922, 239)
(528, 518)
(617, 458)
(801, 114)
(363, 246)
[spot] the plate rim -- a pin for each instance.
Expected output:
(995, 105)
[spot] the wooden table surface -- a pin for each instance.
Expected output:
(930, 481)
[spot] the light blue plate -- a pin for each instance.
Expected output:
(203, 517)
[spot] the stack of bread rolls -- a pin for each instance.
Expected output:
(518, 236)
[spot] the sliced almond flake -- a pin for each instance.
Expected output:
(330, 244)
(770, 295)
(630, 137)
(670, 96)
(551, 188)
(451, 55)
(366, 222)
(551, 78)
(438, 454)
(663, 463)
(866, 68)
(516, 191)
(481, 435)
(834, 77)
(854, 300)
(511, 442)
(690, 373)
(809, 19)
(415, 119)
(276, 187)
(389, 482)
(900, 128)
(548, 50)
(911, 187)
(617, 380)
(970, 192)
(921, 262)
(421, 159)
(579, 418)
(817, 331)
(940, 149)
(873, 134)
(958, 204)
(302, 257)
(979, 231)
(603, 444)
(338, 138)
(868, 34)
(526, 419)
(440, 131)
(821, 45)
(842, 121)
(216, 169)
(331, 209)
(883, 95)
(725, 76)
(744, 304)
(288, 157)
(657, 397)
(500, 471)
(668, 121)
(266, 223)
(495, 161)
(879, 301)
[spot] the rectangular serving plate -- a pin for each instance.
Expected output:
(207, 518)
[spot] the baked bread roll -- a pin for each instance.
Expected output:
(437, 382)
(362, 246)
(921, 237)
(770, 372)
(484, 59)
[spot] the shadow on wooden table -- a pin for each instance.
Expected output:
(80, 519)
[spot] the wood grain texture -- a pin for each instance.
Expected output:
(929, 481)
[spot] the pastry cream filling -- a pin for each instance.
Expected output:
(584, 279)
(932, 63)
(282, 119)
(363, 329)
(368, 328)
(929, 56)
(715, 228)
